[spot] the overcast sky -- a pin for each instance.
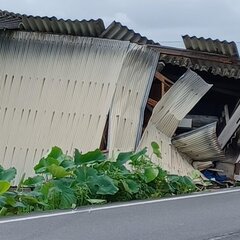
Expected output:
(160, 20)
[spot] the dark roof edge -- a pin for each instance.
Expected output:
(118, 31)
(53, 18)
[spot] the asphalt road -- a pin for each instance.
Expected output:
(213, 216)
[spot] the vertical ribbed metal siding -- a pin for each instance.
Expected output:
(178, 101)
(171, 161)
(54, 90)
(200, 144)
(126, 115)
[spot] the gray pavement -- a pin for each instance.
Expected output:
(202, 217)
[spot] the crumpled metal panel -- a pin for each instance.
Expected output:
(211, 46)
(178, 101)
(167, 114)
(200, 144)
(54, 90)
(91, 28)
(127, 111)
(119, 32)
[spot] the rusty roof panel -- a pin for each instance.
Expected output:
(211, 46)
(91, 28)
(119, 32)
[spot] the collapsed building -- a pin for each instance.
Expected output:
(79, 84)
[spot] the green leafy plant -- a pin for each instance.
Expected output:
(64, 181)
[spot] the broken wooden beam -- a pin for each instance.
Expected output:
(163, 79)
(152, 102)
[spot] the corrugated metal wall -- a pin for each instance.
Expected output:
(54, 90)
(134, 83)
(171, 160)
(58, 90)
(167, 114)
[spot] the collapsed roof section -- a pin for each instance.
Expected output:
(200, 144)
(167, 114)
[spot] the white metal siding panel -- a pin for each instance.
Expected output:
(178, 101)
(134, 83)
(54, 90)
(172, 161)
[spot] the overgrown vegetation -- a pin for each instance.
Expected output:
(63, 181)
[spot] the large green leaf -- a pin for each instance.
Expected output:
(2, 201)
(32, 198)
(123, 158)
(44, 163)
(130, 186)
(55, 152)
(60, 192)
(156, 149)
(68, 164)
(105, 185)
(34, 181)
(135, 156)
(4, 186)
(8, 174)
(150, 173)
(57, 171)
(11, 200)
(84, 173)
(55, 156)
(89, 157)
(45, 189)
(67, 195)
